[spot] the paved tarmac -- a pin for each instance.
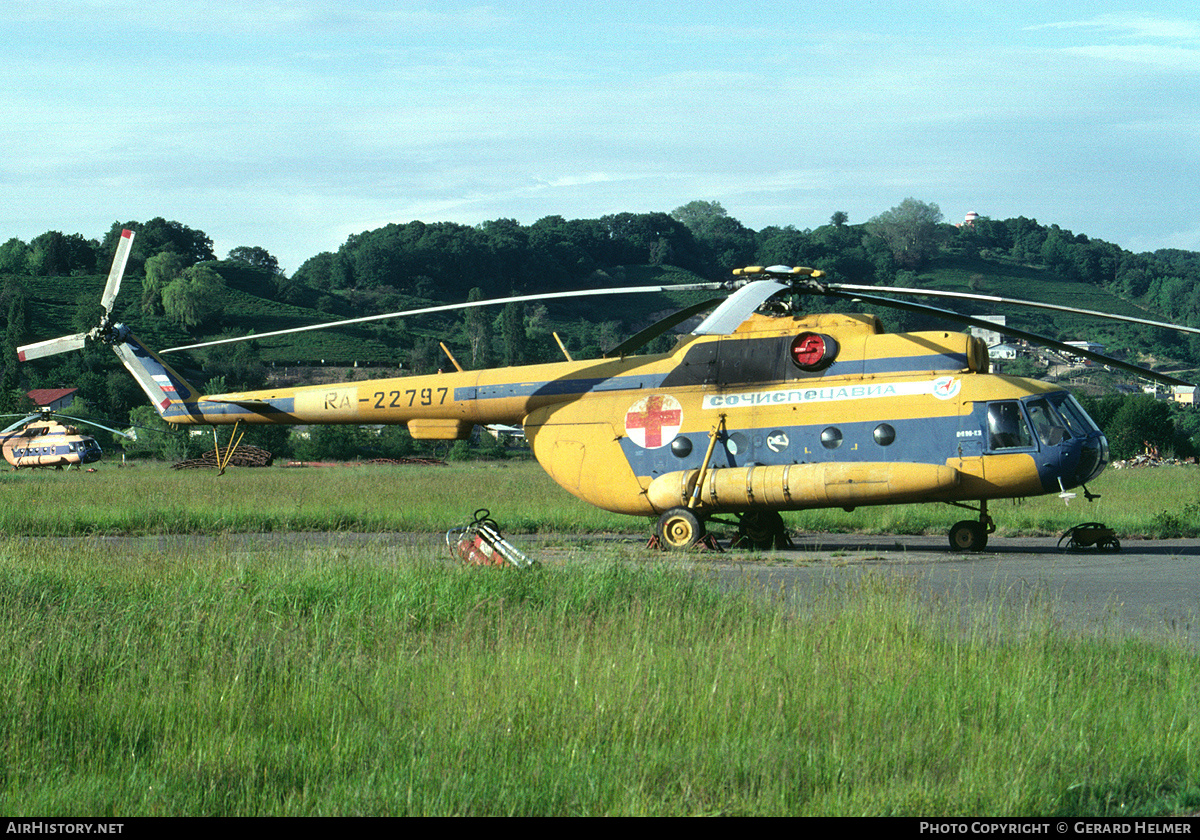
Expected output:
(1149, 587)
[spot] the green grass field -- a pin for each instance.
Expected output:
(223, 678)
(372, 680)
(148, 498)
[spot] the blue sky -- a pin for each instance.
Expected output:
(290, 124)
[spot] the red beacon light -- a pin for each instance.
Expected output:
(813, 351)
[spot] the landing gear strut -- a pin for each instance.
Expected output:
(680, 527)
(972, 535)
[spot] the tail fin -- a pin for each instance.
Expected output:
(173, 398)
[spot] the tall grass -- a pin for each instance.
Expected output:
(372, 680)
(150, 499)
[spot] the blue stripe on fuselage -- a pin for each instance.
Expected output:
(645, 381)
(924, 440)
(912, 364)
(559, 387)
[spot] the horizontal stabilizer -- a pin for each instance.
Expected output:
(243, 403)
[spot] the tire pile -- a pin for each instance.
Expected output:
(400, 462)
(244, 456)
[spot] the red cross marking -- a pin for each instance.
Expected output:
(652, 418)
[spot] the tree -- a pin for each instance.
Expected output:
(13, 304)
(910, 230)
(195, 297)
(512, 330)
(700, 217)
(238, 367)
(479, 332)
(156, 438)
(1141, 421)
(640, 238)
(12, 301)
(161, 270)
(839, 218)
(727, 241)
(395, 442)
(316, 271)
(565, 250)
(330, 443)
(14, 257)
(158, 235)
(257, 257)
(785, 246)
(1131, 422)
(55, 254)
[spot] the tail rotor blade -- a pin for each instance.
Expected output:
(118, 270)
(50, 347)
(67, 343)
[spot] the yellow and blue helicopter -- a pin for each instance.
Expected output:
(38, 440)
(757, 410)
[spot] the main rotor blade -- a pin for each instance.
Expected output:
(1015, 333)
(639, 340)
(71, 419)
(847, 287)
(51, 346)
(117, 271)
(738, 307)
(20, 422)
(631, 290)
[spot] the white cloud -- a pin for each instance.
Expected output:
(1170, 58)
(253, 16)
(1132, 24)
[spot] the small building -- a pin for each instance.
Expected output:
(54, 399)
(1089, 346)
(1184, 394)
(990, 337)
(1002, 352)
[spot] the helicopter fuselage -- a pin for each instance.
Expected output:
(785, 413)
(49, 444)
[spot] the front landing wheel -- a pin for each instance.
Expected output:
(968, 536)
(679, 528)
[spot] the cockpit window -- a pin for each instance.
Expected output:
(1077, 419)
(1007, 428)
(1051, 428)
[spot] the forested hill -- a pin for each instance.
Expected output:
(176, 289)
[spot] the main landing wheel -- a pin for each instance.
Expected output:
(968, 535)
(679, 528)
(763, 529)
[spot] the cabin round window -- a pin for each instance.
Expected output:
(884, 434)
(681, 447)
(813, 351)
(737, 444)
(831, 438)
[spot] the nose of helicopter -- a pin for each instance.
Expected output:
(1074, 461)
